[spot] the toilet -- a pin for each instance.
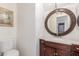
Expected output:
(8, 48)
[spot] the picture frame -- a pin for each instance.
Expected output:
(6, 17)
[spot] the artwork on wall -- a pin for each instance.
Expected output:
(6, 17)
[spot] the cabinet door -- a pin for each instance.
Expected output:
(49, 51)
(62, 52)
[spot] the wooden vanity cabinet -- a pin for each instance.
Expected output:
(54, 49)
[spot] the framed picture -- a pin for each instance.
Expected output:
(6, 17)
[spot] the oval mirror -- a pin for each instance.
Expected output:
(60, 22)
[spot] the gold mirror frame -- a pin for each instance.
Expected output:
(72, 18)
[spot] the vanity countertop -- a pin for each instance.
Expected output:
(59, 40)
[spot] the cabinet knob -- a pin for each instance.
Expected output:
(77, 48)
(56, 54)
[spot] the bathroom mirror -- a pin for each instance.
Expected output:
(60, 22)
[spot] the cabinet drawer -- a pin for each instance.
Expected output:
(58, 45)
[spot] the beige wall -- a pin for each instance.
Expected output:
(26, 42)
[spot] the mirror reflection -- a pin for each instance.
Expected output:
(59, 22)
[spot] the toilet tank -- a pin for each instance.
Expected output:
(7, 45)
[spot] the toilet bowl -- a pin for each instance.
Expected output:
(12, 52)
(7, 48)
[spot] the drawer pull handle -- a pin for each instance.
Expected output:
(77, 48)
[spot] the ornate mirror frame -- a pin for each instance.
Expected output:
(72, 18)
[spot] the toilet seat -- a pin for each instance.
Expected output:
(12, 52)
